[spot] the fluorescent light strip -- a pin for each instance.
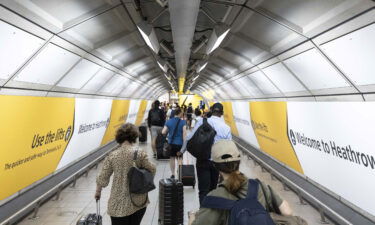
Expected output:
(218, 41)
(147, 39)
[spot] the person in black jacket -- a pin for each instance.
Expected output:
(156, 121)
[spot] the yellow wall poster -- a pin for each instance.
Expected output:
(34, 134)
(269, 122)
(229, 118)
(119, 114)
(141, 112)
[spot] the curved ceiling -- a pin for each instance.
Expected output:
(274, 49)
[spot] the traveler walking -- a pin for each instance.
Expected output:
(236, 186)
(207, 174)
(156, 121)
(176, 130)
(189, 115)
(122, 208)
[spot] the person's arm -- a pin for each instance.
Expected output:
(206, 216)
(165, 130)
(285, 209)
(149, 119)
(104, 177)
(184, 142)
(145, 162)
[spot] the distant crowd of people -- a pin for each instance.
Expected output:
(218, 176)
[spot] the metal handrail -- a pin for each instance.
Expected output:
(55, 189)
(291, 183)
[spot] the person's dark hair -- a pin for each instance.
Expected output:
(235, 179)
(156, 104)
(177, 111)
(198, 112)
(127, 132)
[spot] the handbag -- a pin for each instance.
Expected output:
(168, 147)
(141, 181)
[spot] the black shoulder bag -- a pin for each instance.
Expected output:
(168, 148)
(141, 181)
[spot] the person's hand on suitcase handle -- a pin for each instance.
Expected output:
(98, 193)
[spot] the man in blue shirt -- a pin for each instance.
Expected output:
(207, 174)
(176, 130)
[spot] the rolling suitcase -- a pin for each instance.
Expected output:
(171, 202)
(91, 218)
(143, 133)
(186, 173)
(160, 143)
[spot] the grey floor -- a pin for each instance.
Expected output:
(78, 201)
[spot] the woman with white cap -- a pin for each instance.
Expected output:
(235, 186)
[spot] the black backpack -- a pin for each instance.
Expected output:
(201, 143)
(246, 211)
(155, 117)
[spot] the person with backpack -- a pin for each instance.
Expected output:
(176, 130)
(207, 174)
(238, 200)
(156, 121)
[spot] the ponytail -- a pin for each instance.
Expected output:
(235, 181)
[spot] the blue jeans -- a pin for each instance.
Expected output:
(208, 177)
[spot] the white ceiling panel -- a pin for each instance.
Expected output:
(355, 54)
(250, 87)
(122, 85)
(98, 80)
(48, 66)
(16, 47)
(283, 79)
(263, 83)
(79, 75)
(315, 71)
(111, 84)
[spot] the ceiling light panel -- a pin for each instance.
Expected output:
(48, 66)
(149, 35)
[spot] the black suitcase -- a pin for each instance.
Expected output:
(161, 141)
(92, 218)
(143, 133)
(171, 202)
(186, 174)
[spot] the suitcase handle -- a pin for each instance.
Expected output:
(98, 207)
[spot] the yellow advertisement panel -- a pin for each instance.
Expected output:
(269, 121)
(141, 112)
(229, 118)
(34, 134)
(119, 114)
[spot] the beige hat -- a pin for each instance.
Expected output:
(225, 151)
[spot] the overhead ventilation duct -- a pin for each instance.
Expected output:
(218, 34)
(167, 47)
(148, 33)
(183, 18)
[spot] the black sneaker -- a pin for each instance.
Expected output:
(172, 176)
